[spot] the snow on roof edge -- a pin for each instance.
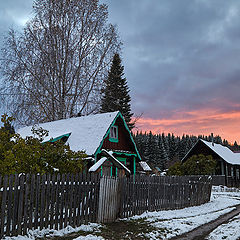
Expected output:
(222, 151)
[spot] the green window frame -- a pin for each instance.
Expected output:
(113, 134)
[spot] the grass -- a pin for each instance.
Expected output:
(120, 230)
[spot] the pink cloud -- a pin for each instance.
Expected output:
(205, 121)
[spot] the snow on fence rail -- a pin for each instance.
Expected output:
(55, 201)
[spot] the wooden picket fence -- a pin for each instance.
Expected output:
(143, 193)
(56, 201)
(47, 201)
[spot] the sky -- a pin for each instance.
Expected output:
(181, 60)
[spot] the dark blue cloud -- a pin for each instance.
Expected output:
(178, 55)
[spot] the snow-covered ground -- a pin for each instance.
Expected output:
(229, 231)
(176, 222)
(32, 235)
(170, 223)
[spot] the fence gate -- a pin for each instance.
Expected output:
(109, 199)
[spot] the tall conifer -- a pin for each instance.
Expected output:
(116, 92)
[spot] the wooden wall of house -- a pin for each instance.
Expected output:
(124, 142)
(201, 148)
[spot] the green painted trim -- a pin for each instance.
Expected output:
(101, 172)
(111, 169)
(112, 124)
(115, 140)
(122, 160)
(58, 138)
(126, 154)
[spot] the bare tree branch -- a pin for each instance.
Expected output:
(55, 68)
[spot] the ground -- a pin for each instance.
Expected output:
(159, 225)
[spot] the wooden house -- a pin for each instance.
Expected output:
(228, 162)
(93, 133)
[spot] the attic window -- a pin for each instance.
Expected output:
(113, 135)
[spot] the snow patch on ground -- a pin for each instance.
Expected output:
(89, 237)
(229, 231)
(33, 234)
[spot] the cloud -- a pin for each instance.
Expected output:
(14, 13)
(179, 54)
(180, 57)
(197, 122)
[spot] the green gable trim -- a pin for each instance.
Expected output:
(108, 131)
(58, 138)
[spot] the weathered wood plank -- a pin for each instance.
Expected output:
(52, 201)
(61, 202)
(42, 201)
(20, 205)
(15, 207)
(10, 205)
(47, 217)
(57, 184)
(3, 206)
(26, 205)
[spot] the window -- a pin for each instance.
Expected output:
(113, 136)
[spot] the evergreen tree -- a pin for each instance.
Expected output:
(152, 150)
(116, 92)
(163, 157)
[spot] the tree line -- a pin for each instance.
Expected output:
(163, 150)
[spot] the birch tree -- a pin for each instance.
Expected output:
(55, 68)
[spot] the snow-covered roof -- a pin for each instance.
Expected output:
(87, 132)
(97, 165)
(145, 166)
(109, 155)
(224, 152)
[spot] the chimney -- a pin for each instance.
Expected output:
(212, 139)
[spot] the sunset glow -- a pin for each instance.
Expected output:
(204, 122)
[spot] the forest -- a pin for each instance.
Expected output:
(163, 150)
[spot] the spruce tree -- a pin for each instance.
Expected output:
(116, 92)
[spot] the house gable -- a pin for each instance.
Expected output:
(125, 142)
(217, 151)
(200, 148)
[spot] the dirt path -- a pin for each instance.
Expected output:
(202, 231)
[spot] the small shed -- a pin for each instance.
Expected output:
(108, 165)
(144, 168)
